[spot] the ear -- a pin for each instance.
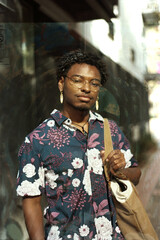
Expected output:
(61, 84)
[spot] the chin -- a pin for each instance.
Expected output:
(83, 108)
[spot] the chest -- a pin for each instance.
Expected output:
(65, 149)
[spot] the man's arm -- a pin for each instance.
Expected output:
(33, 217)
(131, 173)
(116, 164)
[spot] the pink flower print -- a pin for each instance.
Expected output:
(66, 155)
(25, 148)
(58, 137)
(113, 128)
(55, 161)
(98, 186)
(100, 210)
(92, 143)
(76, 200)
(35, 135)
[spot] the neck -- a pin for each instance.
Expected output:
(76, 115)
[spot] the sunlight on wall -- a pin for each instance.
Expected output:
(99, 30)
(154, 98)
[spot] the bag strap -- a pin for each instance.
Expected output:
(108, 147)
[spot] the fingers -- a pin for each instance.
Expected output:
(102, 154)
(115, 159)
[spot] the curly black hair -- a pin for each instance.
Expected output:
(65, 62)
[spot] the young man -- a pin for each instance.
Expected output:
(62, 158)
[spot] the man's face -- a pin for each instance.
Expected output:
(81, 97)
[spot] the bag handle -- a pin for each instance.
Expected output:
(108, 146)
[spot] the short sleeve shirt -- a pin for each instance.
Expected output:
(60, 161)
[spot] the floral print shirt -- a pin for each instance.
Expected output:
(60, 161)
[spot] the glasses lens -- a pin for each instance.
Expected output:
(80, 82)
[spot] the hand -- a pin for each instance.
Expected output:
(115, 161)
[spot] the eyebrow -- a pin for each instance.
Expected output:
(77, 75)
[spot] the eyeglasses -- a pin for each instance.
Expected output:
(79, 81)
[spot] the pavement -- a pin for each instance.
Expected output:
(149, 188)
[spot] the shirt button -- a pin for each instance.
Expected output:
(69, 121)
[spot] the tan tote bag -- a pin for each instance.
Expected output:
(132, 218)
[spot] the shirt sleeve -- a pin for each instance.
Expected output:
(120, 141)
(30, 178)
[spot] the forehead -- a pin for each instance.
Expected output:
(84, 69)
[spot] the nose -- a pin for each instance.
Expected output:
(86, 87)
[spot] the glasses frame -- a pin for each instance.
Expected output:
(84, 82)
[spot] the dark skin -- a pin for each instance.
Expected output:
(116, 163)
(76, 106)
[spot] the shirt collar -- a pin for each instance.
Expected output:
(59, 118)
(93, 116)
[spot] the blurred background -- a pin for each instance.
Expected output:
(126, 35)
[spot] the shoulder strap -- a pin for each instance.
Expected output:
(108, 147)
(107, 138)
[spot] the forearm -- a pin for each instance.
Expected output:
(116, 166)
(132, 173)
(33, 218)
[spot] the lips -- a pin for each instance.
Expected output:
(84, 98)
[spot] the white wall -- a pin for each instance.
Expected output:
(131, 30)
(128, 35)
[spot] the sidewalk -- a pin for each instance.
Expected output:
(149, 188)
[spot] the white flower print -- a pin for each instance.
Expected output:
(70, 172)
(99, 117)
(94, 116)
(117, 229)
(29, 170)
(51, 123)
(54, 111)
(103, 228)
(127, 155)
(69, 236)
(91, 116)
(87, 182)
(95, 161)
(95, 237)
(76, 182)
(54, 233)
(77, 163)
(51, 178)
(41, 172)
(18, 174)
(45, 120)
(84, 230)
(28, 188)
(69, 127)
(45, 210)
(27, 140)
(76, 237)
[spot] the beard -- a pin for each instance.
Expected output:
(82, 108)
